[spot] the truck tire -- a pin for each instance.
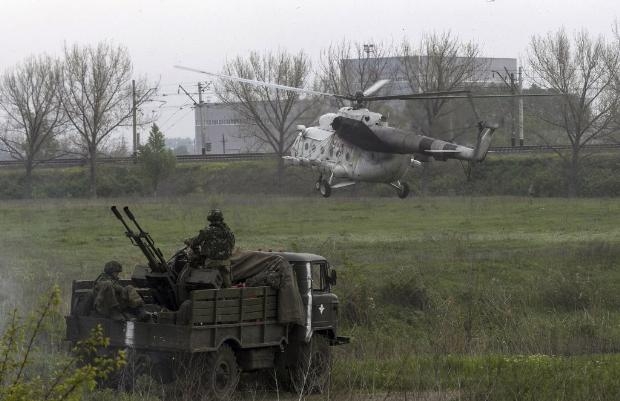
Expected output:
(221, 374)
(311, 372)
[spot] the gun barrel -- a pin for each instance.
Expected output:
(132, 218)
(156, 258)
(120, 217)
(116, 213)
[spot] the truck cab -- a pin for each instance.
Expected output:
(315, 278)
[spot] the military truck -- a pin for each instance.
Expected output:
(209, 341)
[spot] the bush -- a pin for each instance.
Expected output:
(505, 175)
(65, 377)
(404, 290)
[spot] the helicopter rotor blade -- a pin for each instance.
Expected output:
(262, 83)
(375, 87)
(464, 94)
(421, 95)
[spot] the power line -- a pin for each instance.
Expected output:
(178, 120)
(175, 113)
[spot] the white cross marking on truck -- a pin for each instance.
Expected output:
(321, 308)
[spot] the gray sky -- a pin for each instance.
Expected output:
(204, 33)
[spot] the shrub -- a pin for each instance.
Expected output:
(22, 380)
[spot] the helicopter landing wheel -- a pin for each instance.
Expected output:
(325, 189)
(317, 184)
(403, 191)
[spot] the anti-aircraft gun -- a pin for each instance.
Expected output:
(159, 276)
(217, 333)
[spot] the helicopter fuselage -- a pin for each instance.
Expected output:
(356, 145)
(322, 150)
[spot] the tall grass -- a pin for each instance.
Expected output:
(425, 279)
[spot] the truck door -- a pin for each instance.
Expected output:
(324, 303)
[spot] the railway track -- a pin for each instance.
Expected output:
(69, 162)
(550, 148)
(498, 150)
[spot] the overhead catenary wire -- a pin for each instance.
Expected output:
(177, 120)
(179, 108)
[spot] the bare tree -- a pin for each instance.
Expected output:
(348, 67)
(441, 62)
(274, 112)
(616, 33)
(31, 102)
(97, 96)
(584, 71)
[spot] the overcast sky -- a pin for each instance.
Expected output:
(204, 33)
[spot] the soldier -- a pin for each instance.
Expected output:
(115, 301)
(213, 246)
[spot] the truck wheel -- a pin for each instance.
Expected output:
(221, 374)
(311, 373)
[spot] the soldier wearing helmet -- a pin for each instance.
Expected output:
(113, 300)
(213, 246)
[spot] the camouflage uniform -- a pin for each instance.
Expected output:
(113, 300)
(213, 246)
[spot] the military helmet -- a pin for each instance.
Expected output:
(113, 267)
(215, 215)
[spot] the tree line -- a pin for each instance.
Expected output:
(582, 73)
(74, 104)
(71, 104)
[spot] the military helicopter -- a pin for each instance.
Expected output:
(357, 145)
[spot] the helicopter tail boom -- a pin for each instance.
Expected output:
(393, 140)
(476, 154)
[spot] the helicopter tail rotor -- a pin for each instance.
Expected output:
(485, 135)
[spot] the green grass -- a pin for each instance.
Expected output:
(419, 278)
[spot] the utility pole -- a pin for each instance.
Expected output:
(223, 144)
(135, 128)
(197, 107)
(201, 119)
(521, 139)
(517, 106)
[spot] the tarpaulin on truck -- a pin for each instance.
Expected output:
(263, 268)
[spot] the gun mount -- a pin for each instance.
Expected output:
(159, 275)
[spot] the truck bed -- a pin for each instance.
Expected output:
(245, 317)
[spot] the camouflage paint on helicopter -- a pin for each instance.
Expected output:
(356, 145)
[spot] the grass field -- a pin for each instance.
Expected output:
(437, 292)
